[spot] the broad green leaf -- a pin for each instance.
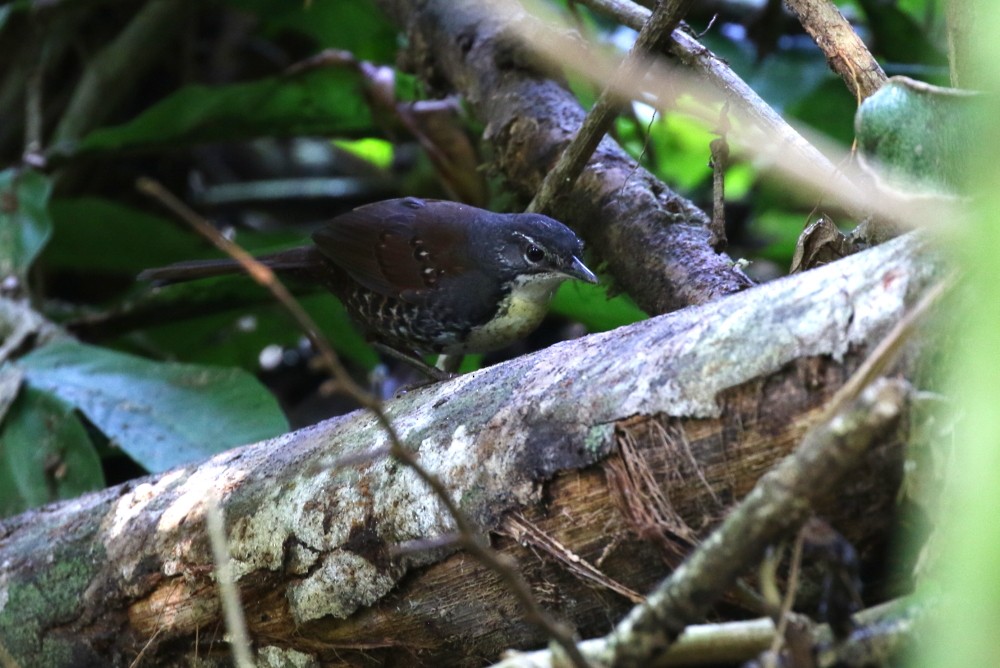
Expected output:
(25, 225)
(590, 305)
(45, 453)
(917, 134)
(321, 102)
(161, 414)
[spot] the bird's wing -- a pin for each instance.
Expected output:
(402, 248)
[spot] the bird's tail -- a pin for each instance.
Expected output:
(301, 259)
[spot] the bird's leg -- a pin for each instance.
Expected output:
(413, 360)
(449, 363)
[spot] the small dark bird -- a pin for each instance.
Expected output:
(428, 276)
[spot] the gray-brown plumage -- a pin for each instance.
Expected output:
(429, 276)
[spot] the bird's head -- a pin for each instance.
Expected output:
(537, 247)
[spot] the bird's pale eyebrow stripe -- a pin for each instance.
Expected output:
(526, 238)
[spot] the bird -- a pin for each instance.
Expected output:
(425, 276)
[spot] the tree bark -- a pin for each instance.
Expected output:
(595, 463)
(657, 244)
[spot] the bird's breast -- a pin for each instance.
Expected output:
(520, 311)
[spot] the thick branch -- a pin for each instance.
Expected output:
(709, 397)
(656, 243)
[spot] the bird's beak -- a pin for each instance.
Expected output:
(579, 270)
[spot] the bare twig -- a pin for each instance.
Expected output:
(33, 109)
(262, 274)
(654, 32)
(526, 532)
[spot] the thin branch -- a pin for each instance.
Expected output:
(845, 52)
(574, 158)
(33, 107)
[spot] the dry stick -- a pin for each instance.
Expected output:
(263, 275)
(33, 108)
(493, 560)
(664, 19)
(845, 52)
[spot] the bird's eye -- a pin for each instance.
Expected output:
(534, 254)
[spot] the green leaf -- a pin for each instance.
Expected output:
(45, 454)
(25, 226)
(590, 305)
(322, 102)
(917, 134)
(161, 414)
(830, 109)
